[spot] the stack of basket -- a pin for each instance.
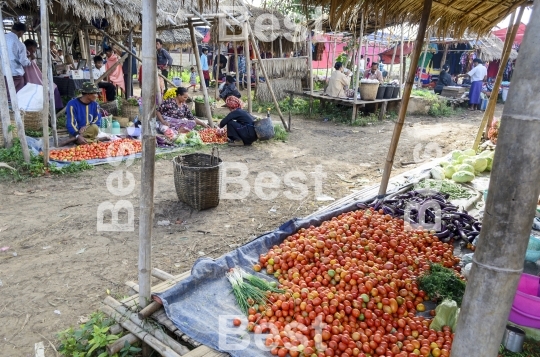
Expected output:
(31, 120)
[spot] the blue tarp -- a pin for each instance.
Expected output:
(202, 306)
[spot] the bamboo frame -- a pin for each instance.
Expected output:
(248, 67)
(201, 75)
(237, 74)
(358, 70)
(90, 59)
(405, 100)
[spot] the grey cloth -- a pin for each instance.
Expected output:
(164, 58)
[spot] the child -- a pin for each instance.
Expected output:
(193, 79)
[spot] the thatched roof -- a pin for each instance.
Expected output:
(489, 48)
(174, 38)
(453, 17)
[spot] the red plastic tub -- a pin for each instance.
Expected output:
(526, 306)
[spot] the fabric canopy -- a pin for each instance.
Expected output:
(519, 36)
(389, 53)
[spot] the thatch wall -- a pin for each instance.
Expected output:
(294, 67)
(279, 85)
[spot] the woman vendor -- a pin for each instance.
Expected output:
(445, 79)
(338, 82)
(174, 113)
(478, 75)
(239, 123)
(116, 77)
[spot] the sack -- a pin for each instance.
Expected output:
(349, 93)
(30, 98)
(446, 315)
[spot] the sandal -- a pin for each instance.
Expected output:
(237, 143)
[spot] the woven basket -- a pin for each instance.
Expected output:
(130, 111)
(368, 91)
(32, 120)
(123, 121)
(197, 179)
(13, 133)
(110, 107)
(264, 129)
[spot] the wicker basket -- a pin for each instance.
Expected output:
(123, 121)
(197, 179)
(130, 111)
(368, 91)
(110, 107)
(264, 129)
(13, 133)
(33, 120)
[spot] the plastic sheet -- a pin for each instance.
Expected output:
(202, 306)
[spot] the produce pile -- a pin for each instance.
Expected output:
(350, 290)
(101, 150)
(211, 136)
(464, 165)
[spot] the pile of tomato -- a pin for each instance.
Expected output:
(211, 136)
(102, 150)
(350, 290)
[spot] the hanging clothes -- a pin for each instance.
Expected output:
(493, 69)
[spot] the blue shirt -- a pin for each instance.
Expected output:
(79, 114)
(204, 62)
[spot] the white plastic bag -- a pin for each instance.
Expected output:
(30, 98)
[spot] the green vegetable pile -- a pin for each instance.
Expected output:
(442, 283)
(464, 165)
(451, 188)
(531, 348)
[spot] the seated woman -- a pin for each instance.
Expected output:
(445, 79)
(174, 113)
(116, 77)
(239, 123)
(229, 89)
(338, 82)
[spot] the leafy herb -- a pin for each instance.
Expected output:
(442, 283)
(280, 133)
(531, 348)
(456, 191)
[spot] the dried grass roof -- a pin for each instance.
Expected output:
(454, 17)
(174, 37)
(490, 48)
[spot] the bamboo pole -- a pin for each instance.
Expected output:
(405, 101)
(402, 61)
(117, 345)
(157, 332)
(142, 334)
(268, 81)
(201, 75)
(310, 62)
(149, 310)
(12, 92)
(129, 84)
(89, 61)
(248, 67)
(422, 64)
(133, 285)
(161, 275)
(4, 110)
(115, 329)
(445, 53)
(218, 71)
(45, 54)
(148, 95)
(327, 60)
(393, 60)
(280, 47)
(52, 106)
(358, 70)
(492, 103)
(513, 195)
(237, 74)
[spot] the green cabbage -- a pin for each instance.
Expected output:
(437, 173)
(449, 171)
(463, 176)
(194, 139)
(444, 163)
(480, 164)
(180, 139)
(460, 159)
(456, 154)
(469, 152)
(489, 163)
(487, 153)
(469, 161)
(465, 167)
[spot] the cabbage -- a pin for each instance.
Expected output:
(194, 139)
(437, 173)
(444, 163)
(469, 152)
(463, 176)
(449, 171)
(465, 167)
(181, 139)
(456, 154)
(460, 159)
(469, 161)
(480, 164)
(489, 163)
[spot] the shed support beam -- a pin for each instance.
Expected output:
(405, 101)
(513, 194)
(201, 75)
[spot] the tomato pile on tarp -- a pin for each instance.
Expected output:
(350, 290)
(101, 150)
(210, 136)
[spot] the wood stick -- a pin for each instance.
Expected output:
(89, 60)
(129, 84)
(405, 101)
(133, 285)
(117, 345)
(401, 62)
(161, 317)
(156, 332)
(149, 310)
(236, 64)
(12, 93)
(115, 329)
(142, 334)
(45, 54)
(248, 67)
(4, 106)
(160, 274)
(201, 74)
(268, 82)
(218, 71)
(507, 49)
(358, 70)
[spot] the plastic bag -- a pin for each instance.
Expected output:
(467, 270)
(30, 98)
(446, 315)
(533, 250)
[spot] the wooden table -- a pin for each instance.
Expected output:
(67, 86)
(340, 100)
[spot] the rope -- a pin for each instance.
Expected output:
(497, 269)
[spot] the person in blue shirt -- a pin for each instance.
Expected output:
(82, 115)
(205, 67)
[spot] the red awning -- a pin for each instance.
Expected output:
(519, 36)
(389, 53)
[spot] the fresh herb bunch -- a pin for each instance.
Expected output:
(442, 283)
(249, 289)
(456, 191)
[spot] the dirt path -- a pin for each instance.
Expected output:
(63, 263)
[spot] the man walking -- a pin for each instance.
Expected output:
(17, 54)
(204, 66)
(164, 60)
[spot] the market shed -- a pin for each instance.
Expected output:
(174, 38)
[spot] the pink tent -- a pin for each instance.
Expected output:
(519, 36)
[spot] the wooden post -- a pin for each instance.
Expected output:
(422, 64)
(45, 54)
(149, 92)
(201, 75)
(248, 66)
(445, 53)
(310, 62)
(327, 60)
(358, 70)
(268, 83)
(90, 59)
(4, 106)
(52, 107)
(401, 62)
(12, 93)
(280, 47)
(218, 72)
(236, 64)
(129, 84)
(405, 101)
(507, 49)
(393, 60)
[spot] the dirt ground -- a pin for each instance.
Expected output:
(58, 261)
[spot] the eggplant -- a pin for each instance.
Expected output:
(442, 234)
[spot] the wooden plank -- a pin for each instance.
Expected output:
(160, 274)
(205, 351)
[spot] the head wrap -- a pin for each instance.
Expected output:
(233, 103)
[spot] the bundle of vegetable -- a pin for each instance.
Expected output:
(454, 224)
(464, 165)
(193, 138)
(442, 283)
(453, 190)
(211, 136)
(249, 289)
